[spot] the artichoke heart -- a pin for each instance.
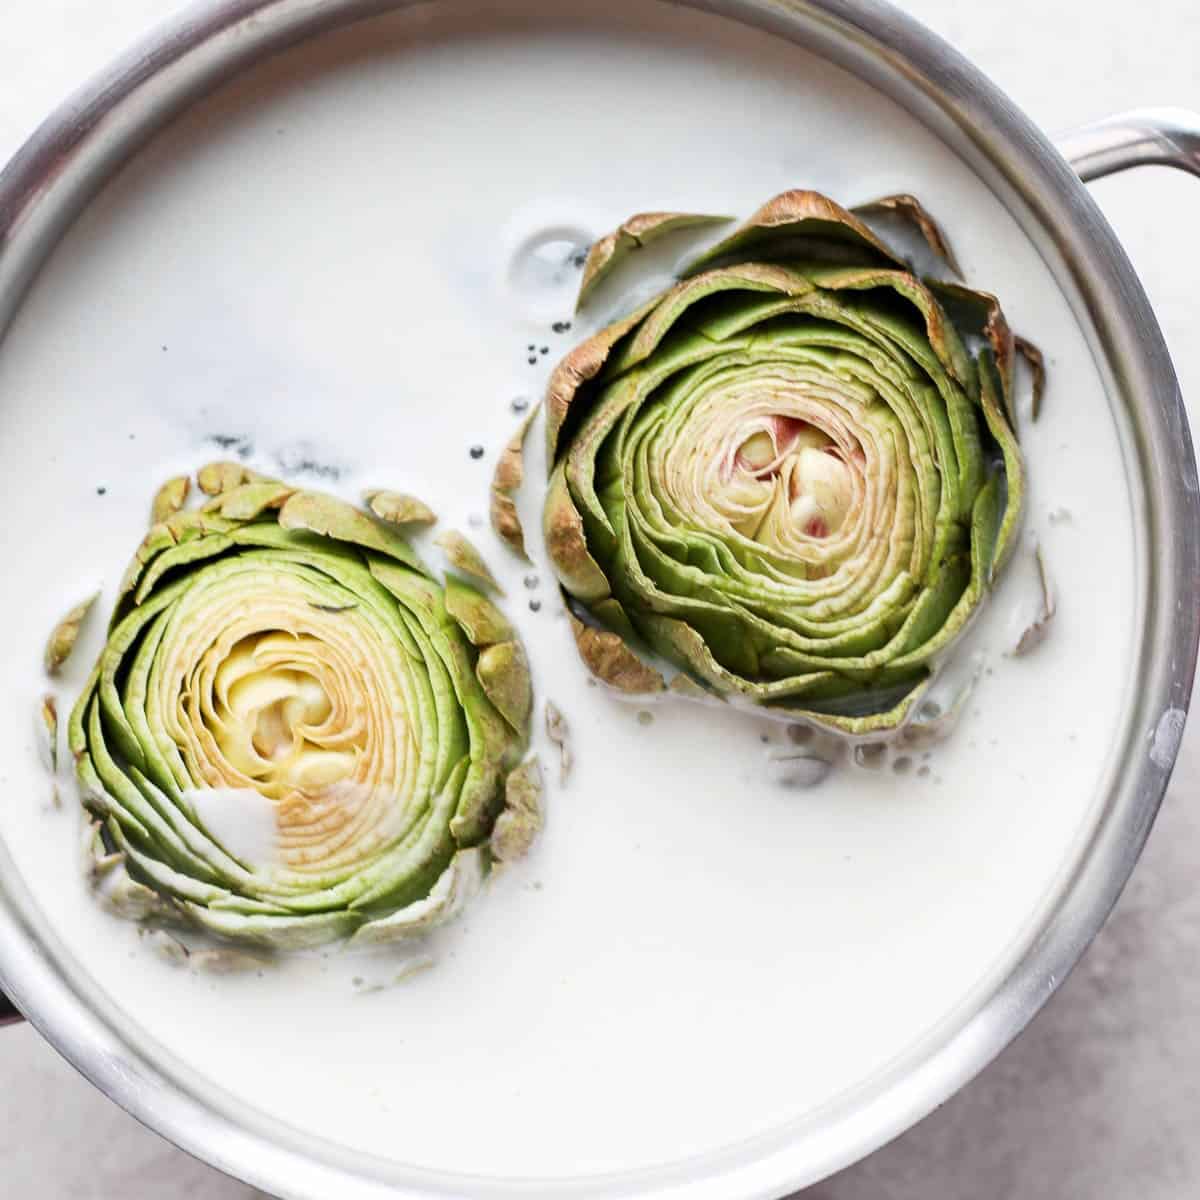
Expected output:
(286, 738)
(793, 475)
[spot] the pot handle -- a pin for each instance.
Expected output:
(8, 1011)
(1164, 136)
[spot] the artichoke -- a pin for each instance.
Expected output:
(294, 732)
(793, 474)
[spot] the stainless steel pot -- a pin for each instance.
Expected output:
(80, 147)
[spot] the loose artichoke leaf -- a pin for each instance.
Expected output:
(48, 731)
(640, 230)
(330, 517)
(457, 885)
(65, 634)
(506, 483)
(249, 500)
(794, 216)
(909, 209)
(463, 556)
(503, 673)
(216, 477)
(482, 622)
(170, 498)
(1035, 632)
(1037, 366)
(518, 826)
(610, 660)
(559, 733)
(399, 508)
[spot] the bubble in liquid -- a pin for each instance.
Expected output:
(544, 271)
(798, 771)
(872, 756)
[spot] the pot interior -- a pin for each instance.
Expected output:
(347, 266)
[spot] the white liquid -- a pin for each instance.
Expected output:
(320, 262)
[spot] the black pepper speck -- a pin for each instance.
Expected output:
(561, 326)
(545, 349)
(533, 360)
(535, 605)
(476, 451)
(100, 491)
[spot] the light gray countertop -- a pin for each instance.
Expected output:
(1100, 1098)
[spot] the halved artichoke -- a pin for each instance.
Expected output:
(294, 733)
(793, 474)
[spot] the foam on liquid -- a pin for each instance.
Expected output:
(343, 267)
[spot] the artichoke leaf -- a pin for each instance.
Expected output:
(170, 498)
(463, 556)
(609, 658)
(559, 733)
(918, 217)
(65, 634)
(506, 483)
(503, 673)
(1037, 366)
(216, 477)
(519, 824)
(794, 215)
(399, 508)
(631, 235)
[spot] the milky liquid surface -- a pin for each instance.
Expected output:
(317, 269)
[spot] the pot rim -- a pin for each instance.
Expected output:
(78, 149)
